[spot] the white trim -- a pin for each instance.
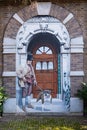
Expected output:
(9, 41)
(77, 45)
(76, 105)
(58, 29)
(10, 105)
(76, 73)
(16, 16)
(76, 50)
(69, 17)
(9, 51)
(77, 41)
(9, 45)
(43, 8)
(59, 96)
(9, 73)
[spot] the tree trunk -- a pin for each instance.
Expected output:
(1, 109)
(85, 108)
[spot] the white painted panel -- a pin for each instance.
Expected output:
(10, 105)
(69, 17)
(77, 45)
(43, 8)
(76, 73)
(9, 51)
(9, 41)
(76, 105)
(76, 50)
(16, 16)
(9, 73)
(77, 41)
(9, 46)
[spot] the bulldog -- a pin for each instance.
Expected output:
(44, 96)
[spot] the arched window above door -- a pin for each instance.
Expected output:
(44, 50)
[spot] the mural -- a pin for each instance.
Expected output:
(57, 50)
(44, 100)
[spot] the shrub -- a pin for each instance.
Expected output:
(3, 97)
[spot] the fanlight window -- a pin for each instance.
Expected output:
(44, 65)
(44, 49)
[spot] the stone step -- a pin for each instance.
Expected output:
(56, 106)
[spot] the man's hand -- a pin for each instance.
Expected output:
(35, 83)
(24, 79)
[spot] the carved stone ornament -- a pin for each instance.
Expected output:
(41, 24)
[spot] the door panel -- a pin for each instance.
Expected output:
(45, 66)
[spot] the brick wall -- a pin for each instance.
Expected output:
(11, 26)
(76, 62)
(9, 83)
(80, 13)
(9, 62)
(76, 83)
(6, 13)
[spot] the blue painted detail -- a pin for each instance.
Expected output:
(59, 74)
(19, 98)
(66, 92)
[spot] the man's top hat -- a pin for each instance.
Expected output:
(29, 57)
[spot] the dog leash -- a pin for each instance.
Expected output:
(39, 87)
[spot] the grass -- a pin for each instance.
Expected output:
(43, 123)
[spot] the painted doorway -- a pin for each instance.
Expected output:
(45, 48)
(45, 65)
(48, 39)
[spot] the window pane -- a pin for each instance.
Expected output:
(38, 52)
(50, 65)
(46, 49)
(38, 66)
(41, 49)
(44, 66)
(49, 52)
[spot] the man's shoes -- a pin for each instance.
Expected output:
(30, 106)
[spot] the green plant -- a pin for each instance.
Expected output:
(82, 94)
(3, 97)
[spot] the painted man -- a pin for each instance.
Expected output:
(27, 80)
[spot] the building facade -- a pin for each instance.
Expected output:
(56, 38)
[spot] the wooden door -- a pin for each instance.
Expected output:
(45, 65)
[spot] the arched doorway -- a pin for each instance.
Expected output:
(45, 48)
(48, 39)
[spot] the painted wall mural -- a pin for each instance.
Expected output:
(21, 37)
(44, 102)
